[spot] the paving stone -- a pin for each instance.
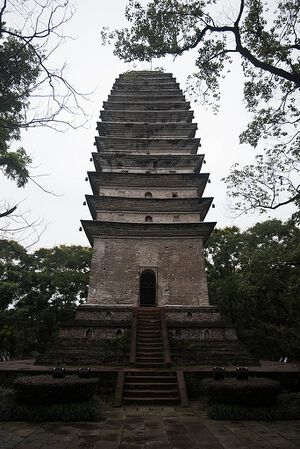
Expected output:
(152, 428)
(158, 445)
(106, 444)
(7, 445)
(56, 445)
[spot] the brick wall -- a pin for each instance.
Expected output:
(117, 264)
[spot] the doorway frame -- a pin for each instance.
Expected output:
(141, 269)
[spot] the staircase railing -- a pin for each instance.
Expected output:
(165, 337)
(132, 354)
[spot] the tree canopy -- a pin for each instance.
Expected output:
(253, 276)
(37, 291)
(33, 92)
(262, 36)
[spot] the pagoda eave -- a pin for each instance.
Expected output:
(138, 105)
(109, 229)
(148, 129)
(147, 162)
(148, 181)
(145, 144)
(182, 116)
(147, 205)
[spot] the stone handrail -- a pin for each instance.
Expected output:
(133, 338)
(165, 337)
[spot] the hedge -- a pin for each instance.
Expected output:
(287, 407)
(250, 392)
(12, 410)
(47, 390)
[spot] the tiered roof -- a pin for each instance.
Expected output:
(147, 141)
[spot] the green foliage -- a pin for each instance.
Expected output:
(45, 389)
(253, 276)
(248, 392)
(261, 35)
(288, 407)
(32, 93)
(37, 291)
(19, 71)
(12, 410)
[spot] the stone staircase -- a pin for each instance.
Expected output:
(151, 387)
(149, 342)
(150, 382)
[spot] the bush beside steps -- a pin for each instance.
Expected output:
(44, 398)
(249, 399)
(287, 407)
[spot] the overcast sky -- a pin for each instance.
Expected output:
(64, 157)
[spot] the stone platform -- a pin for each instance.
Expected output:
(102, 335)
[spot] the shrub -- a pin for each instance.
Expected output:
(288, 407)
(48, 390)
(253, 391)
(12, 410)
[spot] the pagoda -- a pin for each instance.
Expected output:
(147, 282)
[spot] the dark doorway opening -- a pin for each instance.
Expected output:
(147, 288)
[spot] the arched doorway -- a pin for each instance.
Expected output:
(147, 288)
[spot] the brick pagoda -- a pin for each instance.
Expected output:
(147, 231)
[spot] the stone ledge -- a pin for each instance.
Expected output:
(146, 181)
(95, 323)
(199, 324)
(153, 105)
(166, 144)
(147, 205)
(108, 229)
(106, 307)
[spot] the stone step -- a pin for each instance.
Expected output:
(151, 372)
(144, 331)
(149, 320)
(150, 359)
(149, 323)
(146, 335)
(144, 340)
(146, 393)
(152, 401)
(148, 352)
(163, 386)
(149, 349)
(149, 364)
(144, 379)
(149, 355)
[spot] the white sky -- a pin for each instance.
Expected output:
(65, 156)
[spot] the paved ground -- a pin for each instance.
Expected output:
(152, 428)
